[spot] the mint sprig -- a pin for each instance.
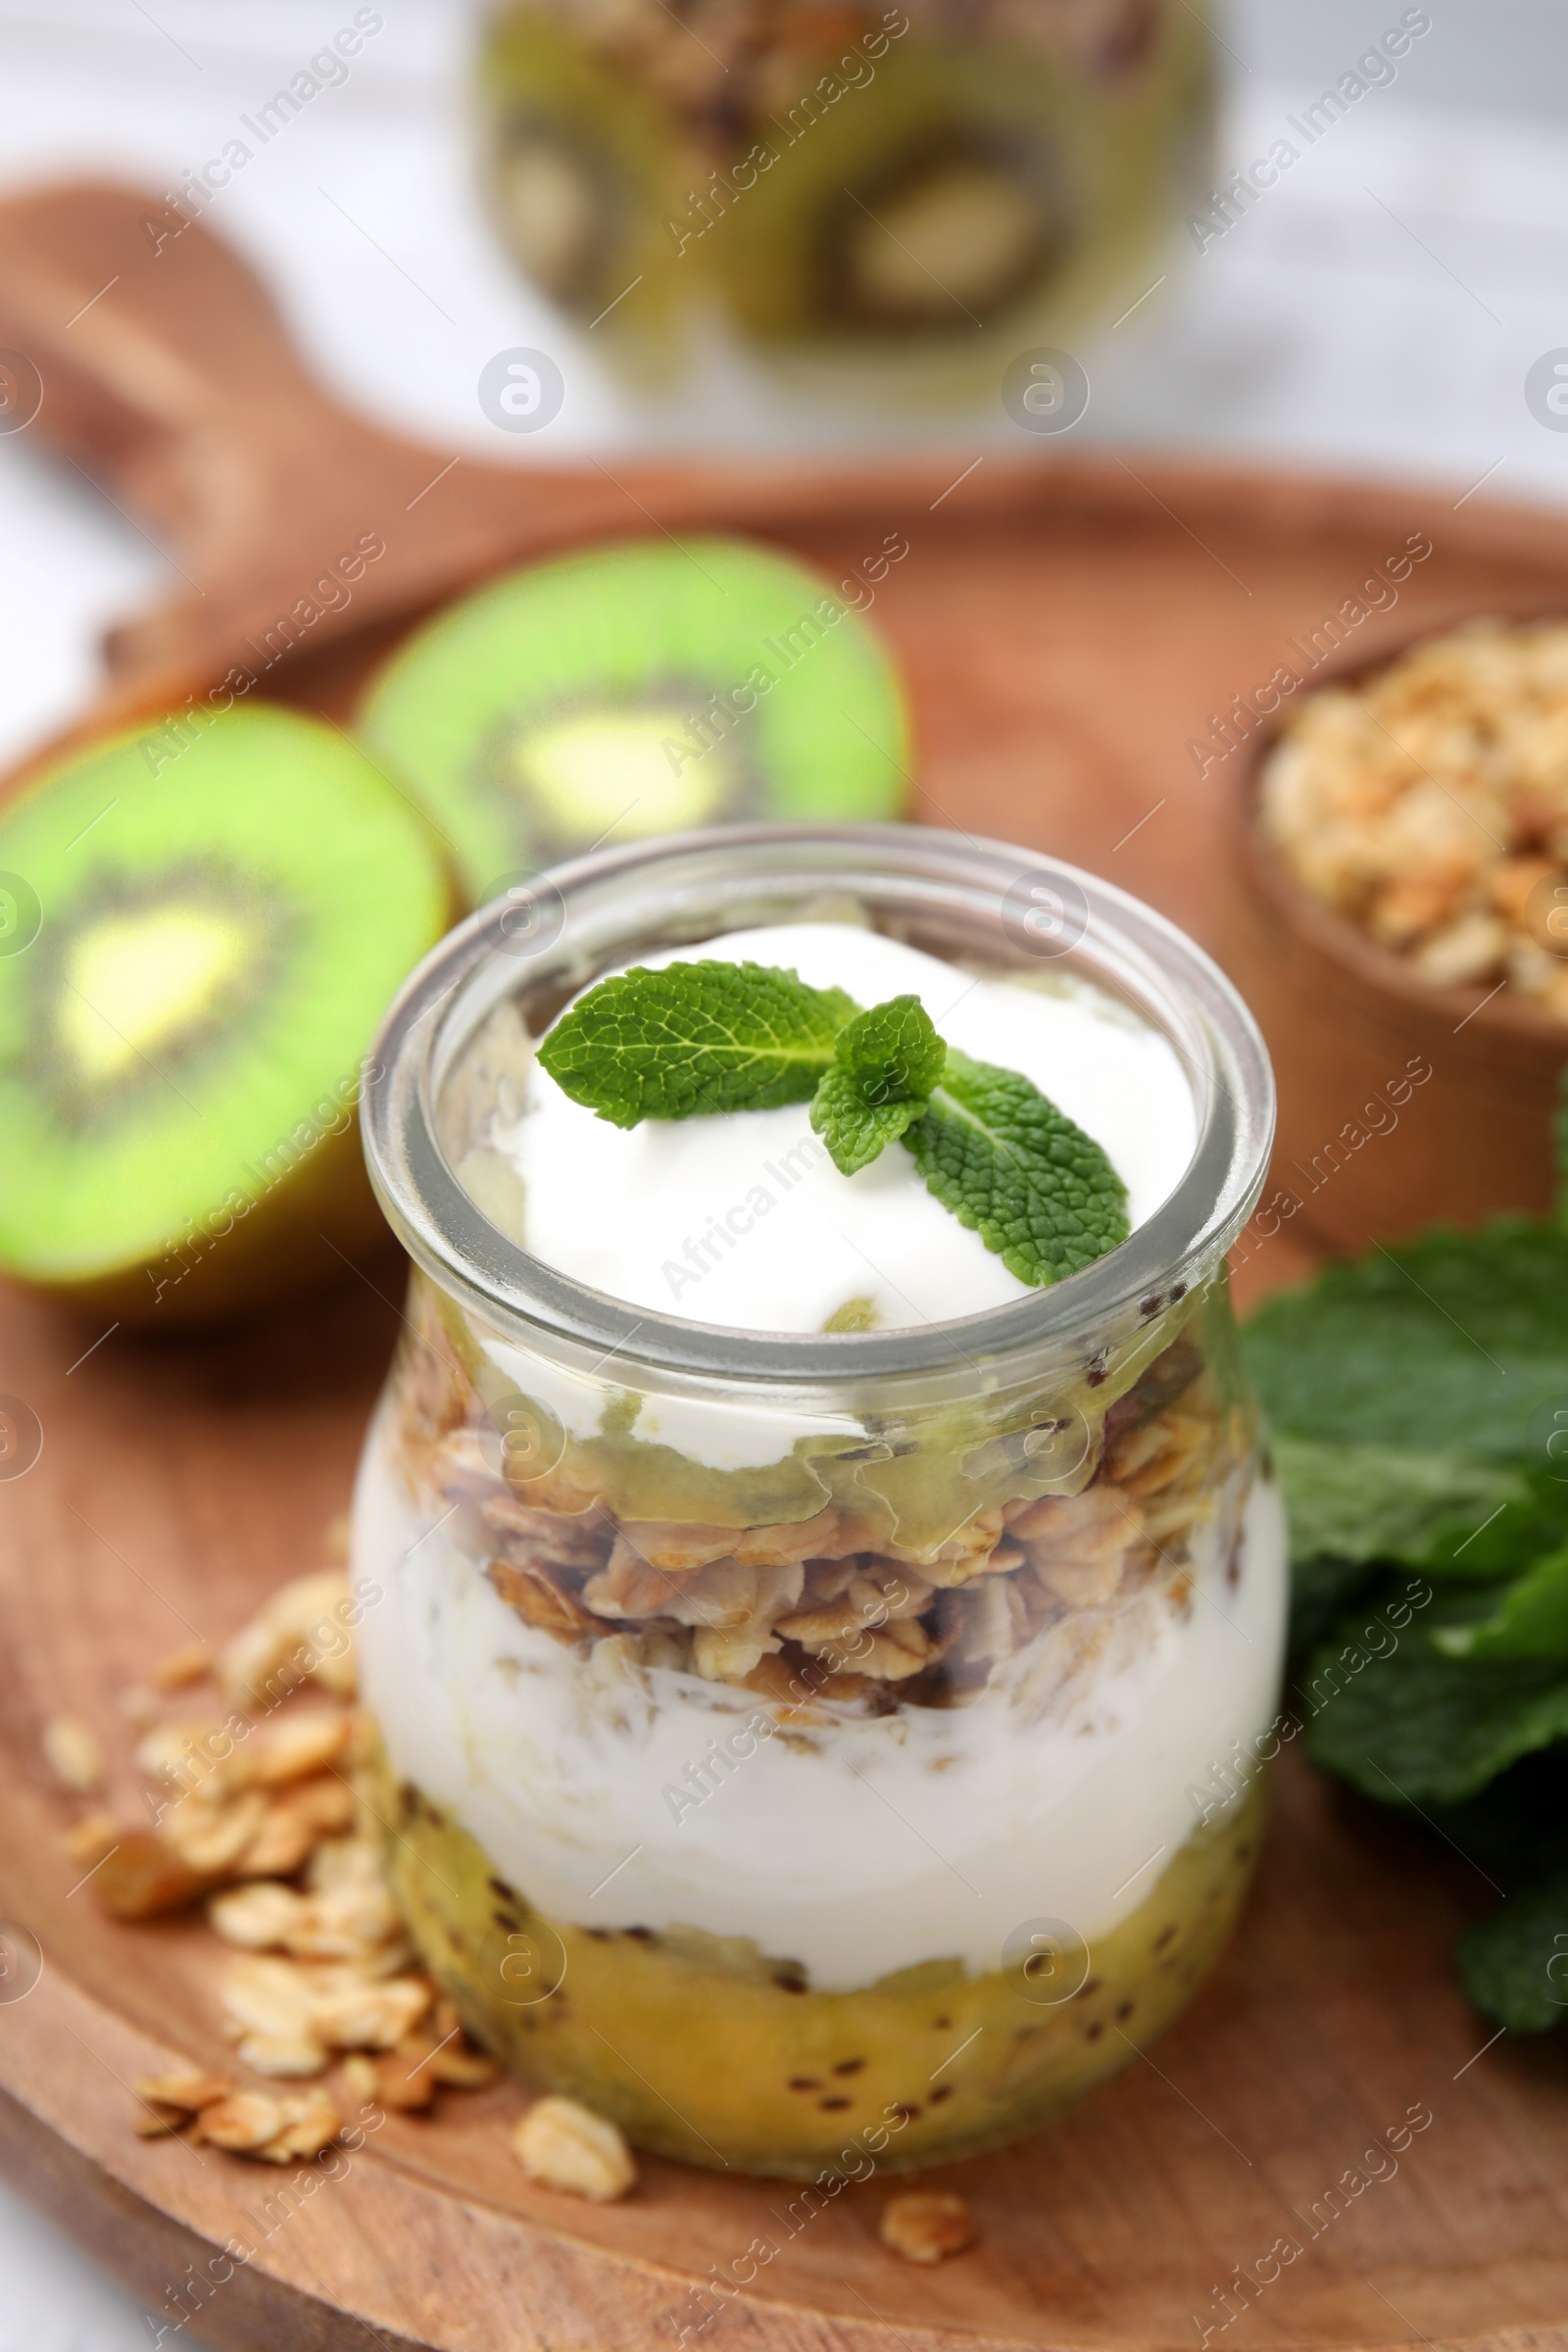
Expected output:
(717, 1037)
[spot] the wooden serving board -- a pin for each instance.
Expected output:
(1067, 629)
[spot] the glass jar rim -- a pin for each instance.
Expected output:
(555, 929)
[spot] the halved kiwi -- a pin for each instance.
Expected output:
(634, 691)
(956, 226)
(580, 166)
(220, 911)
(957, 187)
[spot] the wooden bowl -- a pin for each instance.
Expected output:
(1401, 1105)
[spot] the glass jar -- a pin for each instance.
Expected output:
(899, 1881)
(883, 189)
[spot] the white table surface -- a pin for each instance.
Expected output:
(1377, 313)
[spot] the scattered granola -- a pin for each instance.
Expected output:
(455, 2063)
(72, 1753)
(191, 2089)
(293, 2056)
(190, 1664)
(158, 2121)
(258, 1916)
(565, 2145)
(360, 2078)
(1429, 805)
(169, 2102)
(405, 2080)
(91, 1839)
(246, 2123)
(142, 1877)
(301, 1636)
(300, 1744)
(139, 1705)
(275, 2130)
(251, 1806)
(290, 2016)
(928, 2225)
(258, 1814)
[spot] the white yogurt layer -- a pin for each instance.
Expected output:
(742, 1219)
(927, 1833)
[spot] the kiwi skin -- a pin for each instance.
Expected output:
(301, 1237)
(281, 1251)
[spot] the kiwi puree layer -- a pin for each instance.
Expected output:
(705, 2049)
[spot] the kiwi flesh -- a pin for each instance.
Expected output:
(224, 912)
(636, 691)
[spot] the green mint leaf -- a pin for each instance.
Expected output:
(1529, 1619)
(1416, 1729)
(693, 1038)
(1454, 1342)
(1514, 1964)
(855, 1130)
(1008, 1164)
(885, 1064)
(1390, 1503)
(892, 1052)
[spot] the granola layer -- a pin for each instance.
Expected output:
(834, 1607)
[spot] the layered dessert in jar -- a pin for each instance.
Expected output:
(853, 188)
(823, 1587)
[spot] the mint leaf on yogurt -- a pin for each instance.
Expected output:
(693, 1038)
(855, 1130)
(1039, 1192)
(702, 1036)
(892, 1052)
(885, 1064)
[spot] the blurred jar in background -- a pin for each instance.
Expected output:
(888, 194)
